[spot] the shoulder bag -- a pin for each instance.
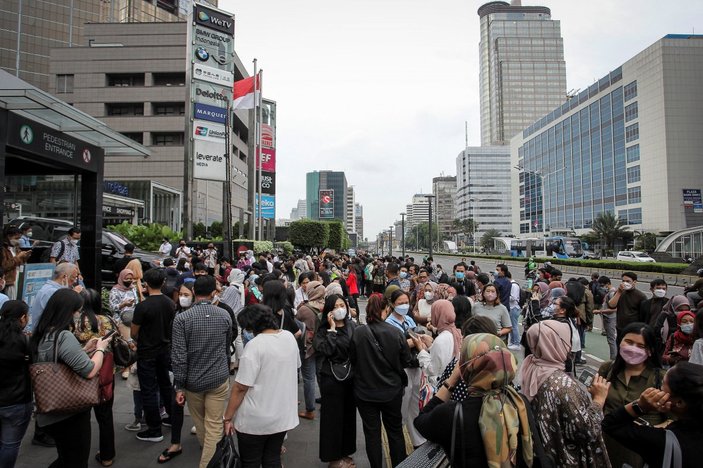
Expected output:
(58, 389)
(341, 371)
(122, 354)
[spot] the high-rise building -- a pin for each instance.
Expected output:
(444, 191)
(483, 188)
(522, 68)
(350, 219)
(302, 209)
(132, 77)
(29, 30)
(335, 208)
(419, 211)
(629, 141)
(359, 220)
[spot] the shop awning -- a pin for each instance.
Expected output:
(32, 103)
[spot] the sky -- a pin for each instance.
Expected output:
(381, 89)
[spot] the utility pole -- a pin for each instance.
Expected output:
(402, 233)
(390, 241)
(430, 201)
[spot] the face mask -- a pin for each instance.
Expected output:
(496, 273)
(127, 284)
(402, 309)
(490, 297)
(633, 354)
(459, 275)
(339, 314)
(659, 292)
(30, 234)
(185, 301)
(428, 295)
(247, 335)
(15, 242)
(403, 274)
(74, 241)
(687, 328)
(627, 286)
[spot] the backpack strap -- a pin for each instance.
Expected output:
(672, 451)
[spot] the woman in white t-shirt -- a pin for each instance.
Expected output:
(264, 398)
(424, 304)
(447, 344)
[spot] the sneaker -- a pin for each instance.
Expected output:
(166, 422)
(163, 413)
(193, 430)
(150, 435)
(582, 361)
(135, 426)
(43, 440)
(514, 347)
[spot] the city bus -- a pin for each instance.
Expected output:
(555, 247)
(511, 246)
(563, 247)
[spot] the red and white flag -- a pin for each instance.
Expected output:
(244, 93)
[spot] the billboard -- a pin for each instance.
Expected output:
(209, 160)
(214, 19)
(269, 204)
(268, 183)
(268, 160)
(213, 75)
(326, 204)
(692, 200)
(209, 113)
(203, 130)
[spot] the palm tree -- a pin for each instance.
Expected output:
(609, 228)
(487, 238)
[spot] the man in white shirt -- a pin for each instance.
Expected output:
(183, 251)
(165, 248)
(210, 255)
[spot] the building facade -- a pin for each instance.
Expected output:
(628, 144)
(326, 180)
(483, 188)
(359, 220)
(522, 69)
(132, 77)
(419, 211)
(444, 191)
(350, 220)
(29, 30)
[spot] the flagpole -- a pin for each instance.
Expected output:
(257, 208)
(258, 80)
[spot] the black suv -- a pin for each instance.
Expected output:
(47, 231)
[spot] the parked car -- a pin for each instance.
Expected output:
(632, 256)
(590, 255)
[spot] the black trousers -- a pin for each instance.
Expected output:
(371, 413)
(72, 436)
(154, 382)
(106, 428)
(337, 419)
(260, 450)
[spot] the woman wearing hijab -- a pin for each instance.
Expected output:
(423, 302)
(308, 313)
(496, 431)
(678, 346)
(569, 422)
(234, 295)
(252, 293)
(667, 322)
(554, 294)
(136, 267)
(447, 344)
(123, 298)
(462, 310)
(533, 312)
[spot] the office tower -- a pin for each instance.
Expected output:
(444, 191)
(332, 184)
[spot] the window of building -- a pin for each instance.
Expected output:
(125, 79)
(634, 216)
(64, 84)
(632, 133)
(633, 153)
(167, 138)
(169, 79)
(124, 108)
(136, 136)
(169, 108)
(630, 90)
(634, 194)
(631, 112)
(633, 174)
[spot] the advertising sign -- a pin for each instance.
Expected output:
(213, 75)
(268, 182)
(268, 159)
(209, 161)
(692, 200)
(32, 279)
(327, 204)
(211, 94)
(209, 131)
(267, 140)
(214, 19)
(209, 113)
(213, 40)
(33, 137)
(269, 206)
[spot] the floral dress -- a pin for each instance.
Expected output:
(570, 424)
(118, 296)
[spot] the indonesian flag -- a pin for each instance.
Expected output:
(244, 93)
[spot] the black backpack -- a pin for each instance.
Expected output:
(525, 295)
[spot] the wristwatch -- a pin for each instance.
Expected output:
(448, 387)
(637, 408)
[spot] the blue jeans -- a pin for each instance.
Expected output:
(154, 384)
(515, 332)
(309, 371)
(13, 424)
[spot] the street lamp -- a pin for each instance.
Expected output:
(390, 241)
(402, 233)
(429, 202)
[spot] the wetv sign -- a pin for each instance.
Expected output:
(214, 19)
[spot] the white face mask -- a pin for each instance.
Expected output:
(428, 295)
(659, 292)
(74, 241)
(339, 314)
(627, 286)
(185, 301)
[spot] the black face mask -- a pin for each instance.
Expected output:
(127, 284)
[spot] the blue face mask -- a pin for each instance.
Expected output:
(459, 275)
(687, 328)
(247, 335)
(403, 274)
(402, 309)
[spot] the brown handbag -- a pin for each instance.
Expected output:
(58, 389)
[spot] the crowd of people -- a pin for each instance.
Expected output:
(418, 353)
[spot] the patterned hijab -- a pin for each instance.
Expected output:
(544, 292)
(444, 291)
(442, 316)
(488, 368)
(550, 342)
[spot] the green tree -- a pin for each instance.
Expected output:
(216, 229)
(307, 234)
(199, 230)
(337, 236)
(420, 235)
(609, 228)
(646, 241)
(487, 238)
